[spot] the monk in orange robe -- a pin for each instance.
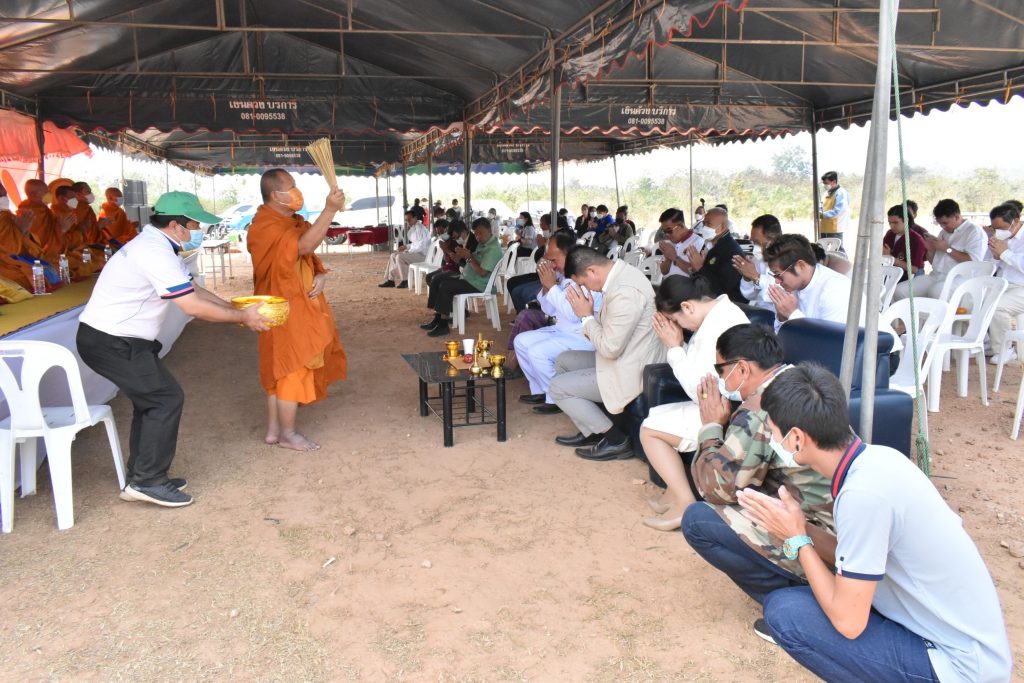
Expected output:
(300, 358)
(73, 241)
(114, 221)
(88, 224)
(44, 227)
(13, 242)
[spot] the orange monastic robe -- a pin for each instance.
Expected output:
(12, 241)
(299, 359)
(85, 217)
(119, 228)
(44, 229)
(73, 244)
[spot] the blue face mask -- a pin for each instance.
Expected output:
(787, 457)
(731, 395)
(194, 241)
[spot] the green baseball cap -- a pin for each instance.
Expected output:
(183, 204)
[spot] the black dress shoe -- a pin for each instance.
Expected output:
(404, 284)
(386, 283)
(532, 398)
(440, 331)
(428, 326)
(607, 451)
(578, 439)
(548, 409)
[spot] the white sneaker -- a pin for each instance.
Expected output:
(1004, 358)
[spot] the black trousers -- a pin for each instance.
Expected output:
(134, 366)
(433, 276)
(443, 291)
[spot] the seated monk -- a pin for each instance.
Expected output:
(116, 229)
(43, 224)
(300, 358)
(73, 241)
(13, 242)
(88, 224)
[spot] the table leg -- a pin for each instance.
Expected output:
(222, 250)
(423, 399)
(499, 390)
(231, 270)
(470, 398)
(446, 403)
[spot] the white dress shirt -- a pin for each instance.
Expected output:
(1011, 261)
(968, 238)
(419, 239)
(695, 241)
(554, 304)
(757, 292)
(826, 297)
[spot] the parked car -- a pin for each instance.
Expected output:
(238, 217)
(370, 211)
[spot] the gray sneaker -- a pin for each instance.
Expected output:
(164, 494)
(178, 483)
(762, 632)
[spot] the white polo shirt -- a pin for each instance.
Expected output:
(695, 241)
(136, 286)
(968, 238)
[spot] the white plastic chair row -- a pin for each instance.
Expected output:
(958, 274)
(418, 271)
(489, 296)
(57, 426)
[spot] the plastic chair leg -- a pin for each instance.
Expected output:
(963, 367)
(115, 450)
(494, 313)
(1002, 362)
(8, 448)
(58, 455)
(29, 463)
(1017, 413)
(982, 377)
(459, 313)
(934, 387)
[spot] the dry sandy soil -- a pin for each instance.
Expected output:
(313, 567)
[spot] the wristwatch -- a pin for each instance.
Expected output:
(791, 546)
(949, 250)
(584, 319)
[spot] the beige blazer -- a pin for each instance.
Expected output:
(623, 336)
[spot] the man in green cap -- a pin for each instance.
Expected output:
(117, 338)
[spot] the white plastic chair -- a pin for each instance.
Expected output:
(489, 296)
(888, 260)
(635, 258)
(57, 426)
(587, 238)
(890, 278)
(628, 246)
(613, 254)
(1012, 337)
(931, 314)
(651, 267)
(957, 275)
(830, 244)
(527, 264)
(507, 270)
(983, 293)
(418, 271)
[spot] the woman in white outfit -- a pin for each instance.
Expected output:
(684, 303)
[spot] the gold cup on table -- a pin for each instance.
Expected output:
(453, 349)
(273, 307)
(497, 361)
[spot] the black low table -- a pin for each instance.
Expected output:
(460, 394)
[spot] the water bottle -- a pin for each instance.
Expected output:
(87, 255)
(107, 253)
(38, 278)
(65, 270)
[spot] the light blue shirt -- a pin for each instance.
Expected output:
(554, 303)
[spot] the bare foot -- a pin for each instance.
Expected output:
(297, 442)
(271, 438)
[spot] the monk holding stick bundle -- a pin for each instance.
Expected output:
(299, 359)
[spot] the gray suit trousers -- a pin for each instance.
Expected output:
(574, 389)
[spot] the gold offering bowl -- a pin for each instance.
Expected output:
(497, 361)
(453, 349)
(273, 307)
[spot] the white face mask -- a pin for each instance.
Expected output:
(1003, 235)
(5, 203)
(757, 253)
(733, 395)
(601, 216)
(708, 233)
(788, 458)
(520, 222)
(119, 201)
(73, 203)
(90, 198)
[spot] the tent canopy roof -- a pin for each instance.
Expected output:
(191, 75)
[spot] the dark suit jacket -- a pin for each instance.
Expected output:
(718, 268)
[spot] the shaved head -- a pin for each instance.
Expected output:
(81, 187)
(35, 189)
(275, 180)
(64, 192)
(112, 193)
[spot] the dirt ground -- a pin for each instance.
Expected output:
(386, 557)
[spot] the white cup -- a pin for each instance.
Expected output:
(468, 346)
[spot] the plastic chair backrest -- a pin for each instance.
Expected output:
(830, 243)
(613, 254)
(496, 271)
(507, 265)
(962, 272)
(888, 260)
(586, 238)
(22, 394)
(931, 315)
(434, 255)
(983, 293)
(890, 278)
(629, 245)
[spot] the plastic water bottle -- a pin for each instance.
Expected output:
(65, 269)
(87, 255)
(38, 278)
(107, 253)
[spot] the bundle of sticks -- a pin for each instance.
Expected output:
(320, 151)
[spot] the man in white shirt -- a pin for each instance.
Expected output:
(1007, 245)
(911, 598)
(756, 281)
(414, 252)
(117, 338)
(679, 239)
(804, 288)
(537, 350)
(959, 240)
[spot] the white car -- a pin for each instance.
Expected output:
(370, 211)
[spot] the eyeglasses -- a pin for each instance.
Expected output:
(719, 367)
(778, 276)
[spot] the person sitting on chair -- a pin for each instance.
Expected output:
(415, 252)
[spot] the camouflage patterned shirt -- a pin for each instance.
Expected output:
(738, 456)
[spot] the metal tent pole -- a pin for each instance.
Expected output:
(869, 231)
(815, 196)
(554, 223)
(556, 145)
(405, 189)
(167, 176)
(41, 141)
(376, 188)
(528, 206)
(467, 170)
(430, 185)
(690, 148)
(615, 170)
(214, 182)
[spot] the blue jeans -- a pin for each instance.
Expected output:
(885, 651)
(716, 542)
(524, 294)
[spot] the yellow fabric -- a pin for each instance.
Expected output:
(12, 292)
(19, 315)
(828, 226)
